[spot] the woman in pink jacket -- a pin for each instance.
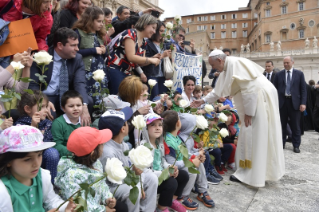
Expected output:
(39, 12)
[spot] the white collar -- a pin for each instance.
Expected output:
(67, 120)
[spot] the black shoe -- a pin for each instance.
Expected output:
(284, 146)
(234, 179)
(289, 139)
(296, 150)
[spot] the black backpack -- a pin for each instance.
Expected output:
(55, 27)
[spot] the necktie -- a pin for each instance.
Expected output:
(64, 79)
(268, 76)
(288, 83)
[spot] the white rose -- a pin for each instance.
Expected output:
(42, 58)
(177, 18)
(115, 170)
(168, 83)
(152, 82)
(224, 132)
(17, 65)
(98, 75)
(183, 103)
(222, 117)
(201, 122)
(169, 25)
(138, 122)
(209, 108)
(141, 157)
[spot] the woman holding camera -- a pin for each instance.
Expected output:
(128, 52)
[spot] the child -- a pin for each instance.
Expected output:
(116, 121)
(62, 127)
(230, 140)
(171, 126)
(28, 108)
(197, 93)
(173, 187)
(24, 186)
(176, 98)
(86, 144)
(91, 30)
(4, 122)
(207, 89)
(143, 101)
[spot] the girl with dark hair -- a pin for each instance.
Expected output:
(189, 83)
(72, 12)
(91, 31)
(28, 108)
(86, 144)
(153, 49)
(24, 185)
(108, 20)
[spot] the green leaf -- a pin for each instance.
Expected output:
(193, 170)
(96, 106)
(168, 37)
(84, 186)
(153, 105)
(183, 150)
(227, 183)
(148, 145)
(193, 110)
(136, 179)
(82, 202)
(226, 112)
(105, 90)
(171, 170)
(37, 75)
(29, 91)
(164, 176)
(6, 99)
(92, 192)
(196, 137)
(181, 111)
(134, 194)
(216, 127)
(95, 94)
(17, 95)
(126, 152)
(128, 179)
(172, 47)
(25, 79)
(187, 162)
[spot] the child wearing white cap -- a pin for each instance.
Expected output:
(24, 185)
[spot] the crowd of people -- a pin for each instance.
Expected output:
(48, 149)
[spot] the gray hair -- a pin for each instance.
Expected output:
(219, 56)
(145, 20)
(291, 58)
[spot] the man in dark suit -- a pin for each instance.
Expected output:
(269, 71)
(67, 63)
(292, 94)
(214, 74)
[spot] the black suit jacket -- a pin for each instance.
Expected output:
(272, 76)
(297, 88)
(76, 71)
(151, 50)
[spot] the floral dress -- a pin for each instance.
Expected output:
(91, 85)
(71, 175)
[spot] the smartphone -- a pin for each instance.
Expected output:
(155, 13)
(186, 43)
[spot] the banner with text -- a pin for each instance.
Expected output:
(186, 65)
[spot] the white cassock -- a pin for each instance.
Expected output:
(259, 154)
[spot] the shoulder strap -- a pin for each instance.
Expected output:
(6, 8)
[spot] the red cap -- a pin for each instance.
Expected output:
(84, 140)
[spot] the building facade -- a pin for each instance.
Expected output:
(138, 5)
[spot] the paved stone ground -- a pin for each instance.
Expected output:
(297, 191)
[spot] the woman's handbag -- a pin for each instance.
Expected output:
(168, 68)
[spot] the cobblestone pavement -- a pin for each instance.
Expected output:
(297, 191)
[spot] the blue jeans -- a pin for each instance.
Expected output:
(115, 76)
(50, 161)
(4, 61)
(159, 88)
(207, 164)
(222, 154)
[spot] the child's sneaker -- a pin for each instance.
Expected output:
(206, 200)
(215, 174)
(177, 206)
(190, 204)
(232, 166)
(223, 168)
(212, 180)
(219, 170)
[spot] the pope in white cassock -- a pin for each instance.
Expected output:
(259, 154)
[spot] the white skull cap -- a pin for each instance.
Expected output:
(216, 52)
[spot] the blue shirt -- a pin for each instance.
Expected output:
(160, 73)
(228, 102)
(53, 86)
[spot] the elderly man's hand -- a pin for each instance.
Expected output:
(85, 117)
